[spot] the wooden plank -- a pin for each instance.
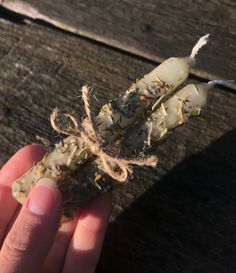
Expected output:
(154, 29)
(178, 217)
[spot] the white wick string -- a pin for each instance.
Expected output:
(201, 42)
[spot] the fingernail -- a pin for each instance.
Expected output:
(44, 199)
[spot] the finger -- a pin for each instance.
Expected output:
(55, 259)
(14, 168)
(32, 234)
(20, 162)
(86, 243)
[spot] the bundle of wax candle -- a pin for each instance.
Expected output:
(152, 105)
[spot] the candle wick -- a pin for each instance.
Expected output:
(201, 42)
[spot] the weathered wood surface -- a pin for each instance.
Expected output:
(155, 29)
(178, 217)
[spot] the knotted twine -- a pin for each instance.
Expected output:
(115, 166)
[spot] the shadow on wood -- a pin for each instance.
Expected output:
(185, 223)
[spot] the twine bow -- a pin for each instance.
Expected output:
(116, 167)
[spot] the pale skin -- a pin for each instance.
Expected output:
(30, 240)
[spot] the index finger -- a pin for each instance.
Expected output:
(20, 162)
(13, 169)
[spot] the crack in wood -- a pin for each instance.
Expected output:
(29, 12)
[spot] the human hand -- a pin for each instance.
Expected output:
(29, 237)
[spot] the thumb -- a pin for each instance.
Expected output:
(31, 236)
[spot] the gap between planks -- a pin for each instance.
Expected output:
(29, 13)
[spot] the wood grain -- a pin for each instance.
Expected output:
(178, 217)
(156, 29)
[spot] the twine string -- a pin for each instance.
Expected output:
(115, 166)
